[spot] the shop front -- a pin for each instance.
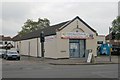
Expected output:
(77, 48)
(70, 39)
(77, 43)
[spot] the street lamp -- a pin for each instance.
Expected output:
(42, 40)
(109, 43)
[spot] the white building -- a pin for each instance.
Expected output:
(5, 40)
(69, 39)
(101, 39)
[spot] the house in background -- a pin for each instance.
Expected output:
(68, 39)
(101, 40)
(110, 40)
(5, 41)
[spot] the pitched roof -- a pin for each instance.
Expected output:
(16, 38)
(81, 21)
(5, 38)
(51, 30)
(108, 36)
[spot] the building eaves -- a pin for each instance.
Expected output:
(51, 30)
(82, 22)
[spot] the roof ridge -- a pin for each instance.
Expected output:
(77, 17)
(59, 23)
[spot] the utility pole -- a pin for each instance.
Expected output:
(42, 40)
(110, 43)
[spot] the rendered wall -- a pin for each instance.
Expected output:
(24, 50)
(56, 47)
(62, 47)
(64, 43)
(33, 47)
(51, 47)
(30, 47)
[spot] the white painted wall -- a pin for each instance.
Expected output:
(33, 47)
(51, 47)
(62, 47)
(57, 47)
(24, 50)
(39, 47)
(92, 44)
(71, 27)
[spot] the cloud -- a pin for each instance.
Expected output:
(14, 14)
(96, 14)
(0, 26)
(60, 0)
(10, 28)
(15, 10)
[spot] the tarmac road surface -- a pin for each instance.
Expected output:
(28, 68)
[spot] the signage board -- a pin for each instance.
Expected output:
(89, 57)
(76, 35)
(50, 38)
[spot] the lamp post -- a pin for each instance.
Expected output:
(42, 40)
(109, 44)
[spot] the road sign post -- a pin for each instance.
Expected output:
(109, 43)
(42, 40)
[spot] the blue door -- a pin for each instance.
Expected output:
(74, 50)
(77, 48)
(82, 48)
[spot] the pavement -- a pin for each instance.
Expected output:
(95, 61)
(78, 61)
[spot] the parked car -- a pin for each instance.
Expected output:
(2, 54)
(115, 50)
(12, 55)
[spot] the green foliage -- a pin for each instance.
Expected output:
(31, 25)
(116, 27)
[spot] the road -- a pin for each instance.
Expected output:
(27, 68)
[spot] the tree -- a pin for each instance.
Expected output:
(31, 25)
(116, 27)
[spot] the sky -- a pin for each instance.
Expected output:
(98, 14)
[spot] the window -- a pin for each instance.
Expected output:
(99, 42)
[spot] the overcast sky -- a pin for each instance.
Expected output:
(98, 15)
